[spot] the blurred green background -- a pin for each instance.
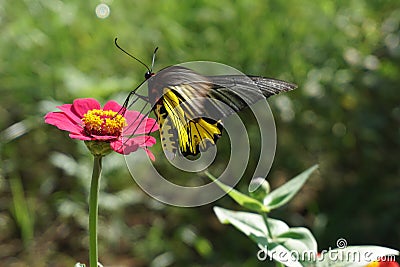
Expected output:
(345, 115)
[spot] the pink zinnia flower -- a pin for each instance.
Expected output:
(124, 131)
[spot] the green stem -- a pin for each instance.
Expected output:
(93, 211)
(265, 217)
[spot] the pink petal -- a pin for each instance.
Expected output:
(140, 125)
(62, 122)
(127, 146)
(146, 140)
(141, 141)
(124, 147)
(80, 136)
(151, 125)
(103, 137)
(82, 105)
(67, 109)
(133, 118)
(133, 115)
(112, 105)
(150, 154)
(117, 146)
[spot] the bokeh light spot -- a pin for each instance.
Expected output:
(102, 11)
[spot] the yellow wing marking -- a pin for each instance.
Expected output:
(202, 133)
(193, 134)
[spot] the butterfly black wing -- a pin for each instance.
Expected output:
(187, 83)
(234, 91)
(240, 91)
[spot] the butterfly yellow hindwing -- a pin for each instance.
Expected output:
(177, 123)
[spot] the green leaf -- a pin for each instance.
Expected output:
(286, 192)
(242, 199)
(299, 239)
(250, 223)
(354, 256)
(295, 247)
(284, 242)
(20, 210)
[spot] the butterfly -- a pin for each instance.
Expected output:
(189, 107)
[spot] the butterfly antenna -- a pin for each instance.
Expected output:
(135, 58)
(154, 57)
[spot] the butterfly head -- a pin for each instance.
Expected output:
(148, 75)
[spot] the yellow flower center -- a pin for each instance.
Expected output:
(103, 122)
